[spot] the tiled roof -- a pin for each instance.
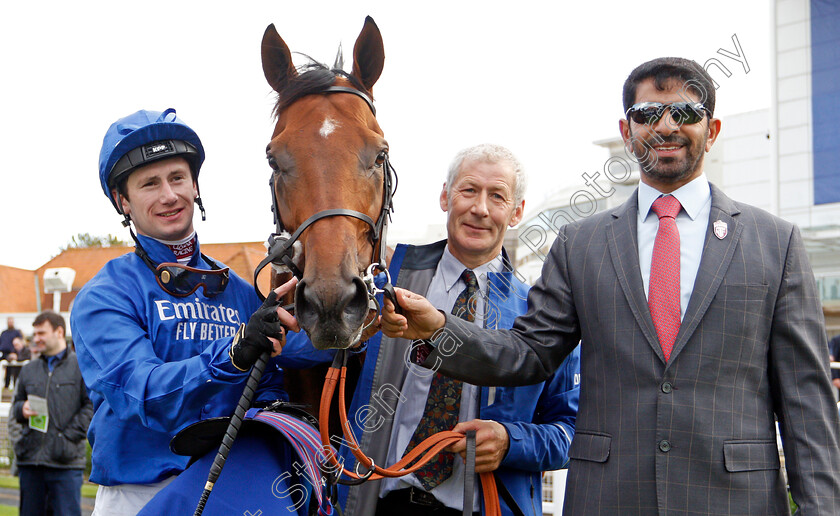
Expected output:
(17, 286)
(85, 261)
(17, 290)
(242, 258)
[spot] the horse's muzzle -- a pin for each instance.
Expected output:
(331, 314)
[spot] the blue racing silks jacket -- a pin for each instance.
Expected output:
(154, 363)
(540, 418)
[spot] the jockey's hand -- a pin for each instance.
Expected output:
(286, 319)
(265, 331)
(491, 443)
(420, 320)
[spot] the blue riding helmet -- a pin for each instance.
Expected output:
(143, 138)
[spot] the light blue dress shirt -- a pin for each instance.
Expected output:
(692, 222)
(444, 289)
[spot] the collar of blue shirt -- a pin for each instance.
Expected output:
(451, 269)
(53, 360)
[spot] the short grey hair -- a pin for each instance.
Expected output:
(489, 153)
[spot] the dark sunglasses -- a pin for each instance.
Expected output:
(181, 280)
(649, 113)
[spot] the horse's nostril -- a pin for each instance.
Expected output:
(307, 305)
(332, 312)
(357, 303)
(349, 303)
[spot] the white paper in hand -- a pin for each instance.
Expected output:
(41, 421)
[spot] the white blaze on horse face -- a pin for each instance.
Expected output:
(328, 127)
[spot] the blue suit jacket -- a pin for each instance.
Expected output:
(539, 418)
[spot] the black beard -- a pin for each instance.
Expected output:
(672, 170)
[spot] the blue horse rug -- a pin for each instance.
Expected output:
(272, 469)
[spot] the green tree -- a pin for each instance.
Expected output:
(86, 240)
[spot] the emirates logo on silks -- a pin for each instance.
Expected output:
(720, 229)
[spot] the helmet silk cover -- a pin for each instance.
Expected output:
(131, 138)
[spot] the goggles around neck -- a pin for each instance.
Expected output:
(648, 113)
(181, 280)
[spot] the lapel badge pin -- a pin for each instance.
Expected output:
(720, 229)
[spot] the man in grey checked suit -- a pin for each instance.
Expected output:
(688, 352)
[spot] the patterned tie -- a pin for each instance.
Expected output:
(664, 285)
(444, 401)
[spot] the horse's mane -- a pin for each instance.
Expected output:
(313, 77)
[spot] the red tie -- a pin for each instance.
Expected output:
(664, 284)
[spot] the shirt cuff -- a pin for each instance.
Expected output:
(421, 350)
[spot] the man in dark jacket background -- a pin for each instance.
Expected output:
(6, 338)
(51, 451)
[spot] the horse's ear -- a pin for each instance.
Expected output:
(276, 59)
(339, 59)
(368, 54)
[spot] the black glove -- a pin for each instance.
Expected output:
(251, 340)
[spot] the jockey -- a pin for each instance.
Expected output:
(161, 333)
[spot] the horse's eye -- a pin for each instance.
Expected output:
(272, 162)
(381, 157)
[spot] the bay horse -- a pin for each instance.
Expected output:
(332, 187)
(331, 184)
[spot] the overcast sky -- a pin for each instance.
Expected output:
(542, 78)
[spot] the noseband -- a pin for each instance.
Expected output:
(281, 252)
(280, 243)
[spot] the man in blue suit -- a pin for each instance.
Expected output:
(520, 431)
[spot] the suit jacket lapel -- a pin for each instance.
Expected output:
(717, 255)
(624, 251)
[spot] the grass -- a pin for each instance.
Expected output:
(10, 482)
(8, 510)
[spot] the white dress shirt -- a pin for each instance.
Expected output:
(444, 289)
(692, 222)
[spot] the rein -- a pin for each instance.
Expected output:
(281, 253)
(425, 451)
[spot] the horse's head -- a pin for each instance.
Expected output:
(328, 153)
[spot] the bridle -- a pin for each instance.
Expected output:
(281, 244)
(281, 253)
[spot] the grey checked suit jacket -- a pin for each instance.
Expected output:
(695, 435)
